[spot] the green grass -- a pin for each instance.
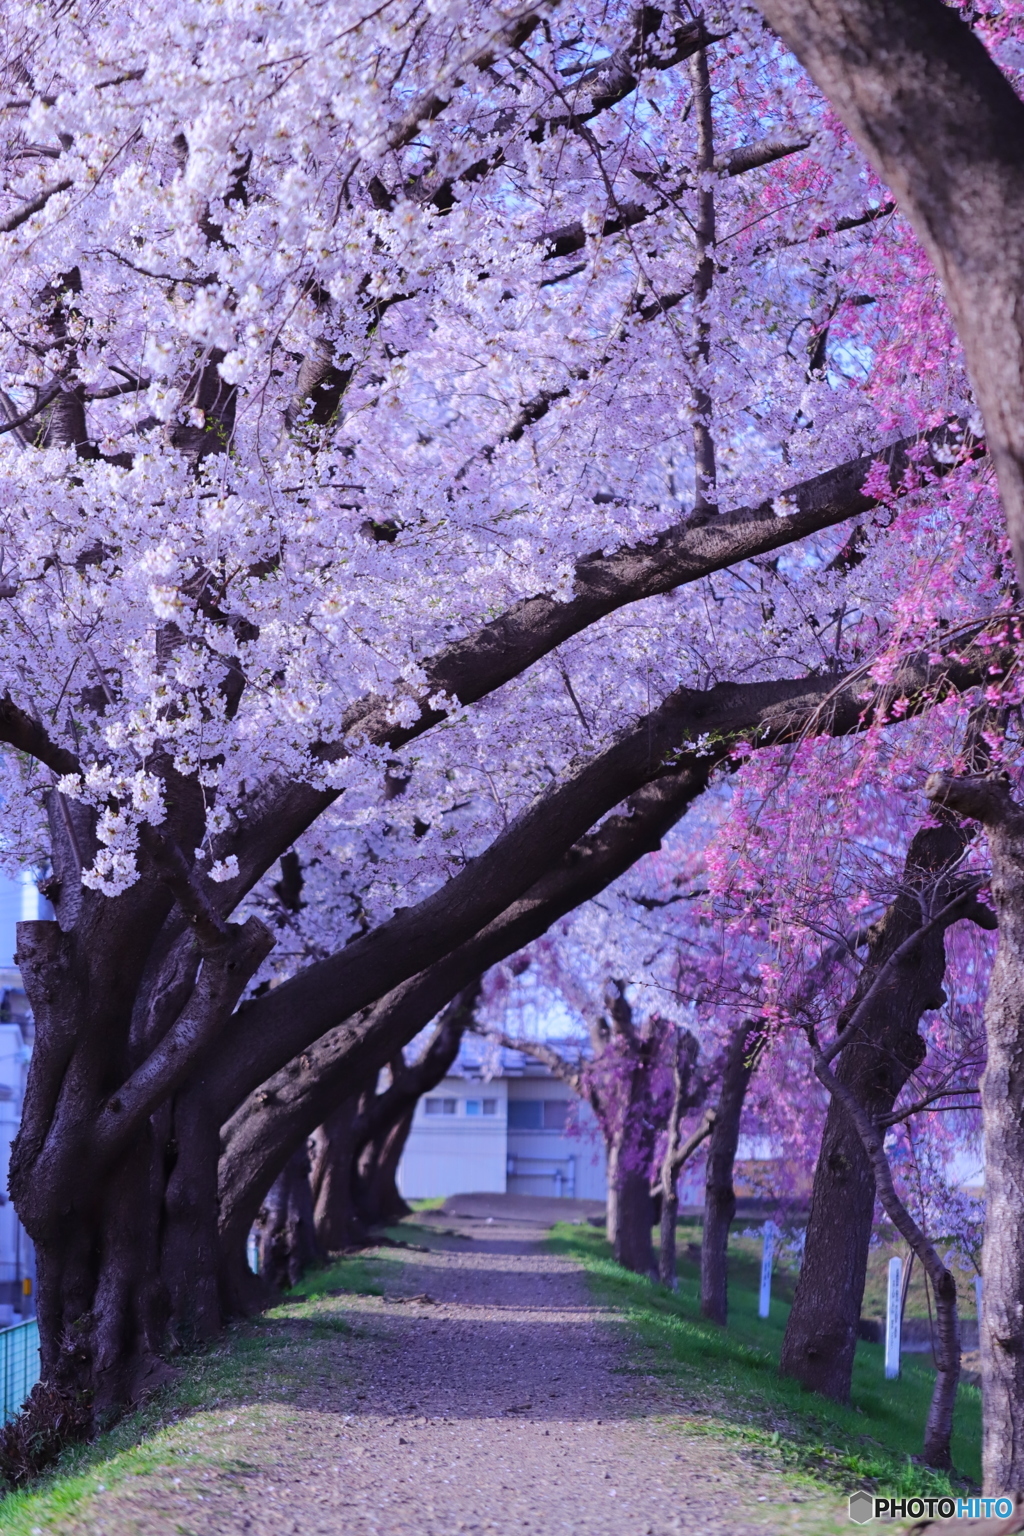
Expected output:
(246, 1380)
(730, 1376)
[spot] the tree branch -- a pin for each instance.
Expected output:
(210, 929)
(275, 1034)
(21, 215)
(264, 1129)
(23, 733)
(512, 33)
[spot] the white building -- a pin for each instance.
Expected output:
(519, 1131)
(19, 901)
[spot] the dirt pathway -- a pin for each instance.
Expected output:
(485, 1392)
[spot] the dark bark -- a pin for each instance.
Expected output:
(821, 1334)
(261, 1133)
(688, 1092)
(338, 1224)
(1002, 1099)
(945, 129)
(669, 1213)
(939, 1425)
(627, 1112)
(359, 1146)
(270, 1030)
(720, 1196)
(380, 1200)
(285, 1230)
(633, 1247)
(387, 1117)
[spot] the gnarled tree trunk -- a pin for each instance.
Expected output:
(358, 1147)
(1002, 1102)
(285, 1231)
(338, 1223)
(822, 1331)
(377, 1193)
(720, 1195)
(685, 1095)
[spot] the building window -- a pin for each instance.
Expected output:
(439, 1106)
(537, 1114)
(481, 1106)
(555, 1113)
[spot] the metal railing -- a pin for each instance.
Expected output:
(19, 1366)
(562, 1170)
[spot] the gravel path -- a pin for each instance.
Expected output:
(485, 1392)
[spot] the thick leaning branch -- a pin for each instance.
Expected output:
(264, 1118)
(475, 666)
(20, 731)
(945, 129)
(271, 1029)
(262, 1132)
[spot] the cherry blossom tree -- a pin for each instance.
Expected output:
(409, 426)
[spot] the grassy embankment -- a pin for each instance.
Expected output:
(730, 1376)
(230, 1391)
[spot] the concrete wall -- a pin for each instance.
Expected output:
(542, 1158)
(453, 1146)
(454, 1149)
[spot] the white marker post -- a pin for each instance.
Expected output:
(893, 1320)
(766, 1269)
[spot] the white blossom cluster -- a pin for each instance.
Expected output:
(223, 194)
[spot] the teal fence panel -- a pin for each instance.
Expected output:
(19, 1366)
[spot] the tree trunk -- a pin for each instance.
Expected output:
(821, 1334)
(944, 128)
(667, 1237)
(338, 1224)
(1002, 1100)
(286, 1232)
(634, 1248)
(939, 1425)
(677, 1152)
(720, 1196)
(190, 1249)
(377, 1195)
(101, 1307)
(611, 1210)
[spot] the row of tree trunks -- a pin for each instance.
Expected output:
(143, 1054)
(331, 1200)
(286, 1235)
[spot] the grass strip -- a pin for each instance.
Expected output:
(191, 1426)
(729, 1382)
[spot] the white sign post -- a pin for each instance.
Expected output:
(893, 1320)
(766, 1269)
